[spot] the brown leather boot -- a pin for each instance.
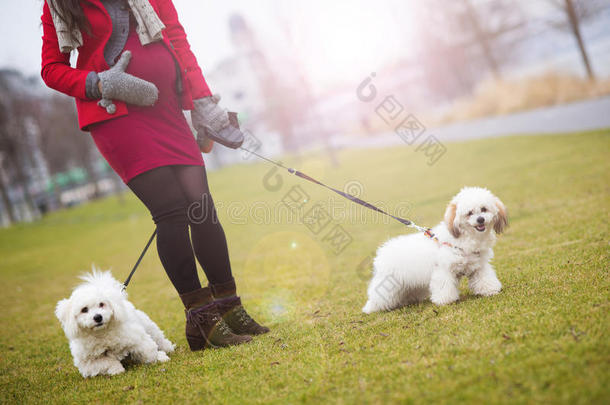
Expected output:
(204, 325)
(233, 313)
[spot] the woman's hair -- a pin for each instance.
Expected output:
(71, 12)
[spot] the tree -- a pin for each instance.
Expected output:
(4, 187)
(15, 142)
(575, 13)
(39, 135)
(463, 40)
(64, 145)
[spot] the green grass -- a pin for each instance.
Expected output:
(544, 338)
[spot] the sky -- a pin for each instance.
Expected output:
(333, 41)
(205, 21)
(329, 37)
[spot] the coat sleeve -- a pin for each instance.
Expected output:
(56, 70)
(175, 32)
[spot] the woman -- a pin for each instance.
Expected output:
(134, 74)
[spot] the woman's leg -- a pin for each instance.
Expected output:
(160, 191)
(210, 245)
(208, 237)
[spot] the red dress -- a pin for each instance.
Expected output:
(149, 137)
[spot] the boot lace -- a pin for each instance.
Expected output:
(204, 315)
(223, 328)
(243, 317)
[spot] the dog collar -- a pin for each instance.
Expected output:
(429, 234)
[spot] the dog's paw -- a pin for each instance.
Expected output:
(116, 369)
(166, 346)
(162, 357)
(369, 307)
(486, 286)
(489, 290)
(444, 298)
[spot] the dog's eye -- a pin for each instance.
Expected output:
(469, 213)
(101, 305)
(483, 209)
(84, 310)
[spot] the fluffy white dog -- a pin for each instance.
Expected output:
(103, 327)
(412, 268)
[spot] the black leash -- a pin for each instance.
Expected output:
(302, 175)
(341, 193)
(126, 283)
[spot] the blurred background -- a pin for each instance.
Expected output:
(317, 76)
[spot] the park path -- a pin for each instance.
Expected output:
(561, 119)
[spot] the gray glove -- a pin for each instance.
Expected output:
(207, 113)
(118, 85)
(212, 122)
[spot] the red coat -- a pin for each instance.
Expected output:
(59, 75)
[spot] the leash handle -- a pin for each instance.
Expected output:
(126, 283)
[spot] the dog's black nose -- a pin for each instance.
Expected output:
(98, 318)
(480, 220)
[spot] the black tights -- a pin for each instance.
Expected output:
(178, 198)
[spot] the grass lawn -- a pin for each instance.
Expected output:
(544, 338)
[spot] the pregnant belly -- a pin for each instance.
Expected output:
(153, 63)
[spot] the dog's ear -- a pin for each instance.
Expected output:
(62, 309)
(62, 312)
(450, 220)
(117, 302)
(119, 311)
(501, 218)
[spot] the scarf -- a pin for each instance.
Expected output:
(149, 27)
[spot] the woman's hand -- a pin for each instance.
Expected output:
(211, 121)
(115, 84)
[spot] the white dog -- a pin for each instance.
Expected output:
(103, 327)
(412, 268)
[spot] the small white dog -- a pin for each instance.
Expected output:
(412, 268)
(103, 327)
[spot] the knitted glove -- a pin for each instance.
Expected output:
(208, 113)
(118, 85)
(212, 122)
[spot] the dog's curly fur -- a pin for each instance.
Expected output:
(412, 268)
(103, 327)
